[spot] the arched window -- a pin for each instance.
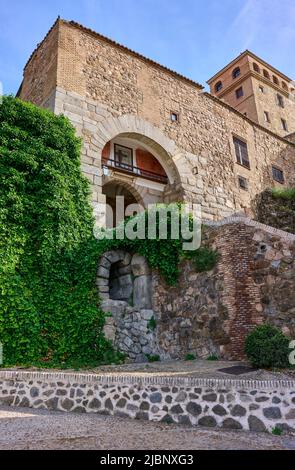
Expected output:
(275, 80)
(218, 86)
(284, 85)
(236, 72)
(266, 74)
(256, 67)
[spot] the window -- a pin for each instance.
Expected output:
(245, 114)
(266, 74)
(284, 124)
(243, 183)
(174, 116)
(284, 85)
(123, 155)
(218, 86)
(256, 67)
(275, 80)
(278, 175)
(236, 72)
(266, 116)
(280, 101)
(261, 88)
(239, 92)
(241, 152)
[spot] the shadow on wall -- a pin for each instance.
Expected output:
(125, 287)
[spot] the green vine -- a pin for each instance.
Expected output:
(49, 309)
(164, 255)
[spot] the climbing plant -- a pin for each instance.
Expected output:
(49, 308)
(164, 254)
(48, 304)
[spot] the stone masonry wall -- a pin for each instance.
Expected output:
(210, 313)
(274, 275)
(228, 404)
(190, 317)
(275, 211)
(100, 85)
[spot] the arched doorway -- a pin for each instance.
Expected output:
(146, 159)
(122, 201)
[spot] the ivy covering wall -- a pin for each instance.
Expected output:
(48, 303)
(49, 307)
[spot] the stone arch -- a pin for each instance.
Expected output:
(131, 281)
(170, 156)
(128, 326)
(137, 193)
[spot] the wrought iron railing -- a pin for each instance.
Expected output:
(134, 170)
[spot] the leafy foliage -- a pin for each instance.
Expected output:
(48, 304)
(162, 254)
(49, 308)
(213, 358)
(152, 324)
(287, 194)
(267, 347)
(276, 431)
(154, 358)
(190, 357)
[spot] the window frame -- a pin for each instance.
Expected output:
(237, 93)
(241, 181)
(218, 86)
(280, 100)
(126, 148)
(242, 156)
(266, 117)
(284, 125)
(256, 67)
(275, 80)
(280, 171)
(236, 72)
(176, 114)
(284, 85)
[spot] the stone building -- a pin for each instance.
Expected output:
(258, 91)
(152, 135)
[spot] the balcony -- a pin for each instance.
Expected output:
(134, 170)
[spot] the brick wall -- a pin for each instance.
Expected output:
(240, 294)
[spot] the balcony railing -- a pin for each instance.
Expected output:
(134, 170)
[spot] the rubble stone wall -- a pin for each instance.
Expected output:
(227, 404)
(211, 313)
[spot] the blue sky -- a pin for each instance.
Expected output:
(194, 37)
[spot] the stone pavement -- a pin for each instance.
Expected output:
(35, 429)
(199, 368)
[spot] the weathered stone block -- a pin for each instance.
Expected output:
(142, 292)
(255, 424)
(139, 266)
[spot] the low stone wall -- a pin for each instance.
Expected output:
(228, 404)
